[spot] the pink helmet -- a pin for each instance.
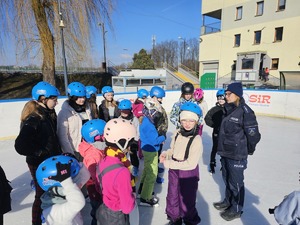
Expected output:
(117, 129)
(198, 94)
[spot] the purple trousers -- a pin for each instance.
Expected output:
(181, 197)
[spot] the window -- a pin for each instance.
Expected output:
(239, 13)
(281, 5)
(278, 34)
(275, 63)
(247, 64)
(237, 40)
(257, 37)
(260, 8)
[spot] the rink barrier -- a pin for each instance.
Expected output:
(273, 103)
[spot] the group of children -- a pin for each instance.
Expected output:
(97, 149)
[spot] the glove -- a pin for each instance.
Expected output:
(212, 166)
(63, 172)
(271, 211)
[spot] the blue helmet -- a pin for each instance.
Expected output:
(220, 92)
(48, 168)
(142, 93)
(44, 89)
(91, 129)
(90, 90)
(124, 104)
(76, 89)
(107, 89)
(192, 107)
(157, 92)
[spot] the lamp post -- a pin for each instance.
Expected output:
(184, 49)
(61, 25)
(104, 45)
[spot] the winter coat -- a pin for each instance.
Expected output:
(175, 155)
(162, 124)
(59, 211)
(5, 190)
(150, 139)
(137, 108)
(213, 118)
(288, 211)
(174, 115)
(104, 113)
(91, 157)
(116, 186)
(239, 132)
(69, 127)
(204, 108)
(37, 139)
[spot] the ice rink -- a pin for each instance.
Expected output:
(273, 172)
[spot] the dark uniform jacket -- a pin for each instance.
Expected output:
(37, 139)
(239, 132)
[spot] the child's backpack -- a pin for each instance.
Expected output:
(5, 190)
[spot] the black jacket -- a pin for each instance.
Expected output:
(239, 132)
(213, 118)
(104, 114)
(37, 139)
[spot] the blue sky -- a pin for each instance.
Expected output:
(134, 24)
(136, 21)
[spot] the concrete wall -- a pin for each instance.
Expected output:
(270, 103)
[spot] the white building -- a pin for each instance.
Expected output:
(132, 80)
(241, 37)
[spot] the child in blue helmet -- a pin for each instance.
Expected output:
(91, 98)
(125, 107)
(213, 119)
(138, 105)
(92, 150)
(108, 109)
(37, 139)
(157, 94)
(137, 109)
(182, 160)
(73, 114)
(150, 144)
(61, 177)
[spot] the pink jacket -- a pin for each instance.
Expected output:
(137, 108)
(116, 186)
(91, 157)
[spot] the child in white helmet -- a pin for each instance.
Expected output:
(114, 175)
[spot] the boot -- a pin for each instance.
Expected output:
(229, 215)
(221, 205)
(176, 222)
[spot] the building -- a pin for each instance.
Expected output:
(239, 38)
(132, 80)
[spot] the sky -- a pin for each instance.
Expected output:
(135, 22)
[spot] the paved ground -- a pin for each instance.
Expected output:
(273, 172)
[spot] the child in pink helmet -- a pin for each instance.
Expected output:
(199, 98)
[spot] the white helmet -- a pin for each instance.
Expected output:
(119, 129)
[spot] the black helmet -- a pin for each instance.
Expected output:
(187, 88)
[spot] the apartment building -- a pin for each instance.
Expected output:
(239, 38)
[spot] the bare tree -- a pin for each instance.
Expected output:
(35, 26)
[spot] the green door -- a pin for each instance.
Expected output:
(208, 80)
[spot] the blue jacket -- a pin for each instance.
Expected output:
(150, 140)
(239, 132)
